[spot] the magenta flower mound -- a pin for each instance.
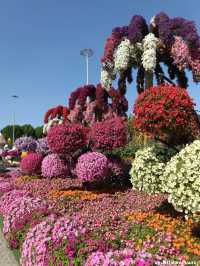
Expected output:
(53, 166)
(26, 144)
(8, 198)
(44, 240)
(92, 166)
(109, 134)
(31, 164)
(21, 212)
(65, 139)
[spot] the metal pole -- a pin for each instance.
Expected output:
(87, 73)
(87, 53)
(13, 127)
(13, 133)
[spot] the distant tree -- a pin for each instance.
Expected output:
(28, 130)
(39, 132)
(8, 132)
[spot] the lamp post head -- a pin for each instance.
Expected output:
(87, 52)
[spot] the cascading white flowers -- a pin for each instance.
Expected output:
(106, 79)
(149, 53)
(122, 55)
(182, 174)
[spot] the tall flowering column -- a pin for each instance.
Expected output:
(149, 57)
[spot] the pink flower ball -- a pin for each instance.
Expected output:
(31, 164)
(109, 134)
(92, 166)
(53, 166)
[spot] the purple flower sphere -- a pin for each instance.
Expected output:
(92, 166)
(53, 166)
(26, 144)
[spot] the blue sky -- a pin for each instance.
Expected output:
(40, 43)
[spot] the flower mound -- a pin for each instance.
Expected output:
(64, 139)
(26, 144)
(109, 134)
(53, 166)
(92, 166)
(183, 182)
(31, 164)
(49, 238)
(147, 170)
(21, 212)
(166, 112)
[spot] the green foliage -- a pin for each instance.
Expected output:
(39, 132)
(8, 132)
(28, 130)
(140, 232)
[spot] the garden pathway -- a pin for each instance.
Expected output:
(6, 256)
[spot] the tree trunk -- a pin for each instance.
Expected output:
(148, 79)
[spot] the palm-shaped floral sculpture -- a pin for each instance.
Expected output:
(173, 42)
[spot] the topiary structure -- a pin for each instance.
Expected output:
(167, 113)
(66, 139)
(31, 164)
(171, 41)
(89, 104)
(182, 180)
(109, 134)
(92, 166)
(53, 166)
(26, 144)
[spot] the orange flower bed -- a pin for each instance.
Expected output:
(79, 194)
(181, 230)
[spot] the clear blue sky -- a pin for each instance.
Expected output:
(40, 42)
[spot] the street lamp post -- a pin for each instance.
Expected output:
(87, 52)
(13, 132)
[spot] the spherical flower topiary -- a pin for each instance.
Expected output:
(64, 139)
(53, 166)
(109, 134)
(92, 166)
(26, 144)
(42, 146)
(166, 112)
(31, 164)
(147, 169)
(183, 182)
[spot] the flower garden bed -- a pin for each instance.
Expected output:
(141, 229)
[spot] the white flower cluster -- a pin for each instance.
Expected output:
(147, 169)
(122, 55)
(149, 54)
(182, 174)
(106, 79)
(50, 123)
